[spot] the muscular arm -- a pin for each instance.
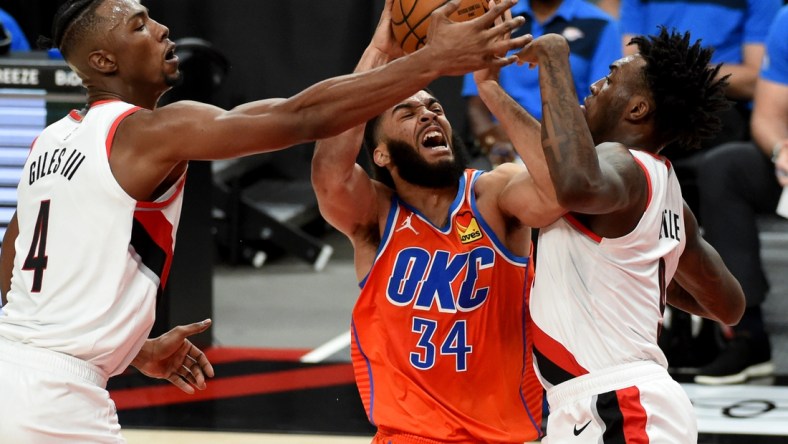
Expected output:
(585, 181)
(530, 195)
(714, 292)
(7, 254)
(346, 195)
(150, 143)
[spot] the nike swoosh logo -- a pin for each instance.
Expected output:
(577, 432)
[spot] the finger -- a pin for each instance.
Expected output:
(500, 62)
(505, 28)
(195, 328)
(446, 10)
(197, 378)
(487, 19)
(199, 357)
(177, 381)
(516, 44)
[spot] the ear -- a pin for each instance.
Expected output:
(381, 155)
(102, 61)
(638, 108)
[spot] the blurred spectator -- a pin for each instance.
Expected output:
(612, 7)
(738, 181)
(14, 32)
(737, 32)
(594, 41)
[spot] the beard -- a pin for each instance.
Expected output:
(414, 169)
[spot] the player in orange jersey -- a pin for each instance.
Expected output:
(441, 341)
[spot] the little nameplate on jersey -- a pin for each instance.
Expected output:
(60, 161)
(671, 226)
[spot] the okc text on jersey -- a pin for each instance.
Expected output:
(448, 281)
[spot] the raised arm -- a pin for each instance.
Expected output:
(346, 195)
(530, 195)
(585, 180)
(711, 289)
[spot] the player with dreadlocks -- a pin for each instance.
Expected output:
(100, 199)
(603, 269)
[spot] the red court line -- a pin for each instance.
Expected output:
(231, 387)
(221, 355)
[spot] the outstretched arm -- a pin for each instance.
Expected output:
(714, 292)
(189, 130)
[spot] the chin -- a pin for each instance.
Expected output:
(173, 79)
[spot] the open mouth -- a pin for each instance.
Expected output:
(170, 54)
(433, 139)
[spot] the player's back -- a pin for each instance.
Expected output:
(88, 256)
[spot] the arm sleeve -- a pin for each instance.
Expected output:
(633, 18)
(760, 14)
(775, 62)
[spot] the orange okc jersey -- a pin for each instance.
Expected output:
(441, 341)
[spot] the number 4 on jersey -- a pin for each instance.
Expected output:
(36, 258)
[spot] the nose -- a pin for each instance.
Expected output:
(427, 115)
(165, 31)
(595, 87)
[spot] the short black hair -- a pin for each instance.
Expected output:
(72, 21)
(370, 142)
(685, 88)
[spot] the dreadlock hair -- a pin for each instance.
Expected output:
(73, 20)
(687, 97)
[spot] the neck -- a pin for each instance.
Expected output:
(135, 96)
(433, 203)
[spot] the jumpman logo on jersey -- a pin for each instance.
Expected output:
(407, 224)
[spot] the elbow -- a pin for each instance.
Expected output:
(735, 308)
(574, 193)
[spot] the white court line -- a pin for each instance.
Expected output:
(327, 349)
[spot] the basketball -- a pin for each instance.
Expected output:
(410, 19)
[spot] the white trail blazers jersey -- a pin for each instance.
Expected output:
(598, 302)
(90, 259)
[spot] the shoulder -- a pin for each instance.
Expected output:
(496, 178)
